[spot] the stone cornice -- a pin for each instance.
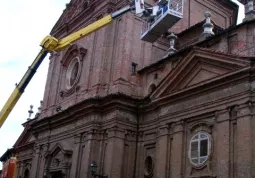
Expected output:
(90, 106)
(25, 146)
(228, 79)
(86, 17)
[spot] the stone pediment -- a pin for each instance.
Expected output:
(23, 139)
(58, 160)
(57, 149)
(81, 12)
(199, 66)
(26, 137)
(73, 8)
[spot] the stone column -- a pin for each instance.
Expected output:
(244, 141)
(162, 152)
(85, 157)
(140, 159)
(19, 169)
(177, 151)
(223, 143)
(35, 160)
(114, 152)
(43, 160)
(76, 156)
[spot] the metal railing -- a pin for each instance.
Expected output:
(175, 6)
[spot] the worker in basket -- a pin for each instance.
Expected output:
(163, 5)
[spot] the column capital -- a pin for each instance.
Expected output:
(163, 130)
(222, 115)
(77, 138)
(244, 109)
(116, 132)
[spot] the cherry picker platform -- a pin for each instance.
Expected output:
(169, 13)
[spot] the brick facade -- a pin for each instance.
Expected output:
(141, 123)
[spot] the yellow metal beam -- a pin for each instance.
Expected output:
(9, 105)
(49, 44)
(52, 44)
(13, 99)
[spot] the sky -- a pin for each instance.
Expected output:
(24, 23)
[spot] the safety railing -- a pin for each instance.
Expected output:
(174, 6)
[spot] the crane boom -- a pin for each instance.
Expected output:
(20, 88)
(50, 44)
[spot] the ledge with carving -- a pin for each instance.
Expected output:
(58, 161)
(89, 106)
(75, 53)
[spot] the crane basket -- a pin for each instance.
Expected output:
(169, 14)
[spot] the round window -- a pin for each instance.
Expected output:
(199, 148)
(72, 73)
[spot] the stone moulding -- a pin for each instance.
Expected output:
(74, 52)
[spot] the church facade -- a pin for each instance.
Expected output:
(142, 110)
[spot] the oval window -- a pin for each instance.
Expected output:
(199, 148)
(72, 73)
(148, 166)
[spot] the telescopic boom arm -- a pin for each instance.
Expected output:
(50, 44)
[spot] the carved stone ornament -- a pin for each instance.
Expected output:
(58, 162)
(208, 26)
(72, 67)
(201, 126)
(27, 165)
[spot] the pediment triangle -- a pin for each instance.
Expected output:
(25, 138)
(199, 73)
(197, 67)
(201, 76)
(72, 10)
(31, 138)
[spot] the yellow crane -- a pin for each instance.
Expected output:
(50, 44)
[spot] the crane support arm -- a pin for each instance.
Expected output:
(18, 91)
(50, 44)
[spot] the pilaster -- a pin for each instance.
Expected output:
(20, 167)
(85, 158)
(244, 141)
(115, 152)
(35, 161)
(177, 149)
(76, 156)
(45, 148)
(162, 150)
(222, 143)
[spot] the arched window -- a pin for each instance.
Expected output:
(26, 173)
(199, 148)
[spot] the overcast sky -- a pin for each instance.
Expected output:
(24, 23)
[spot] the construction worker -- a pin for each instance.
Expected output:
(163, 4)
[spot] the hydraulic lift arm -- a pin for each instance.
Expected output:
(50, 44)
